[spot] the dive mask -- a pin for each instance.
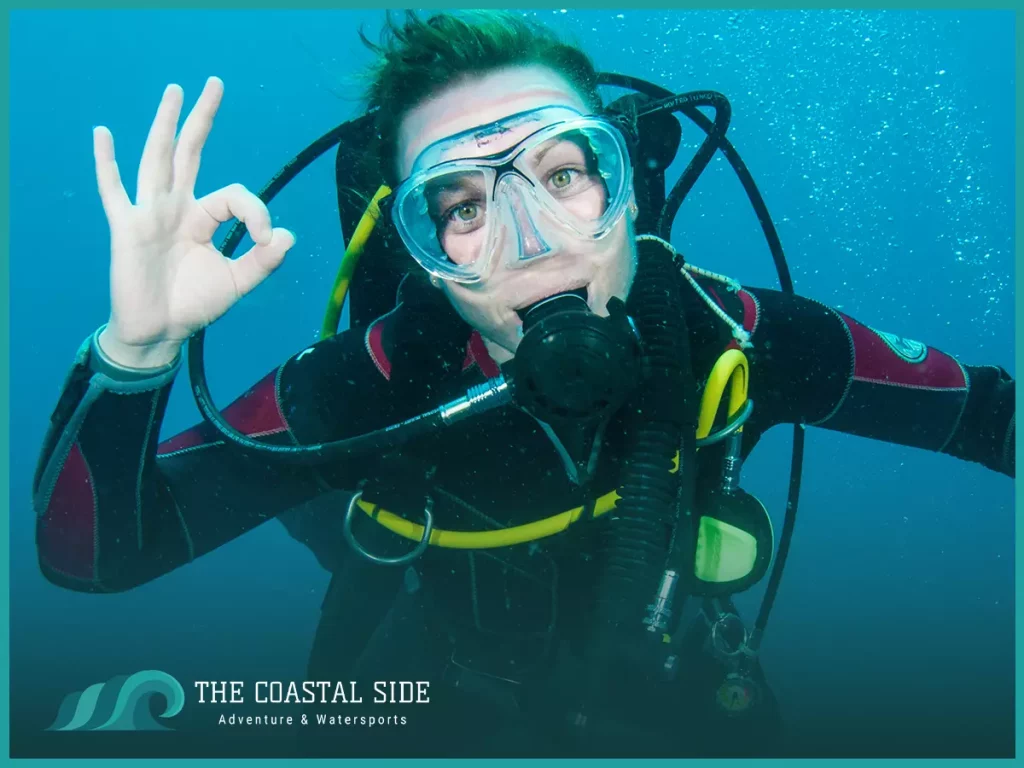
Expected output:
(568, 179)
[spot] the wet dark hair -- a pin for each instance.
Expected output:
(417, 58)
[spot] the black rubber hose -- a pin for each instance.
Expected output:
(289, 171)
(679, 192)
(376, 442)
(636, 538)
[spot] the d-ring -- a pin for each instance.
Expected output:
(428, 528)
(727, 648)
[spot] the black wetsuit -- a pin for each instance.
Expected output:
(117, 507)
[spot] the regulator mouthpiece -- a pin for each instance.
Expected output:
(574, 365)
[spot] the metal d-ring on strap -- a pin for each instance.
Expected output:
(720, 644)
(428, 528)
(738, 421)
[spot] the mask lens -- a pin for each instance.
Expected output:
(567, 170)
(456, 204)
(581, 176)
(571, 179)
(444, 220)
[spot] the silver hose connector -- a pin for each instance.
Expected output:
(492, 394)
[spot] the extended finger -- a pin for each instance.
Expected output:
(155, 168)
(108, 178)
(237, 202)
(194, 133)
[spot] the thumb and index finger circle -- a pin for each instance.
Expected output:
(236, 202)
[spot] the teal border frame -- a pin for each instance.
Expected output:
(5, 368)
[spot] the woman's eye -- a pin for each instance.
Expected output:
(464, 212)
(563, 178)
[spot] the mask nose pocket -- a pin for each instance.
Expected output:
(520, 220)
(531, 242)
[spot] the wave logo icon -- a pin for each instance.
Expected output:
(121, 704)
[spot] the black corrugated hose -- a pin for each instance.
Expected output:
(637, 538)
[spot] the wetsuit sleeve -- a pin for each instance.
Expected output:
(814, 365)
(116, 508)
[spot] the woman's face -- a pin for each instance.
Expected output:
(604, 267)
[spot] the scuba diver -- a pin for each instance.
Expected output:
(522, 460)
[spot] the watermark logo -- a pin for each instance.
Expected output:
(122, 703)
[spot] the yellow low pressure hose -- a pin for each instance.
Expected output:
(730, 369)
(347, 269)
